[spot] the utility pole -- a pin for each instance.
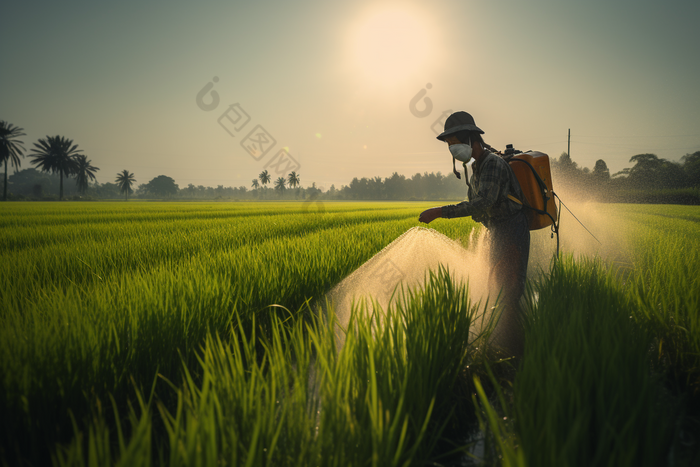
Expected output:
(568, 145)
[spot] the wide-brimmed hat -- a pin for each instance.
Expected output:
(459, 121)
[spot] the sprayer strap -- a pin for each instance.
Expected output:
(513, 198)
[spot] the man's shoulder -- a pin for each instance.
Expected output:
(494, 160)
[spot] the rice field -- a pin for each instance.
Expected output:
(189, 334)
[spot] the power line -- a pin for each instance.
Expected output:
(638, 136)
(640, 145)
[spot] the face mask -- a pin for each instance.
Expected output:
(461, 152)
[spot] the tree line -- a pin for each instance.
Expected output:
(650, 179)
(55, 155)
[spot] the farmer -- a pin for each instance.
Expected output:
(489, 203)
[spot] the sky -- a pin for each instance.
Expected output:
(213, 93)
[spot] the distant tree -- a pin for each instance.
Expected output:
(600, 170)
(395, 186)
(645, 171)
(56, 154)
(107, 190)
(357, 188)
(313, 192)
(162, 185)
(376, 189)
(624, 173)
(264, 178)
(84, 172)
(124, 181)
(255, 186)
(280, 184)
(691, 167)
(672, 175)
(10, 148)
(293, 180)
(24, 182)
(650, 171)
(565, 165)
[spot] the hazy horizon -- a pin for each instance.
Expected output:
(330, 85)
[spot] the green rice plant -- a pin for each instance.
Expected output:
(96, 445)
(585, 393)
(88, 314)
(666, 290)
(496, 429)
(381, 399)
(67, 256)
(236, 416)
(97, 299)
(407, 361)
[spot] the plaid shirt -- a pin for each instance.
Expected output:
(491, 183)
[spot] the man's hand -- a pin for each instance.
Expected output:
(430, 215)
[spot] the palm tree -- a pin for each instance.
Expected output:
(124, 181)
(10, 148)
(293, 179)
(84, 172)
(56, 154)
(255, 186)
(280, 184)
(264, 177)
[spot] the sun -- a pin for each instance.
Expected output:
(391, 44)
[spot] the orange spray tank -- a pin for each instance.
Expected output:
(532, 170)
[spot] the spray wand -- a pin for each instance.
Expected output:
(561, 203)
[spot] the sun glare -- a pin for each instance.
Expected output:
(390, 44)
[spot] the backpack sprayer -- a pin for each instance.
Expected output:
(532, 170)
(534, 175)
